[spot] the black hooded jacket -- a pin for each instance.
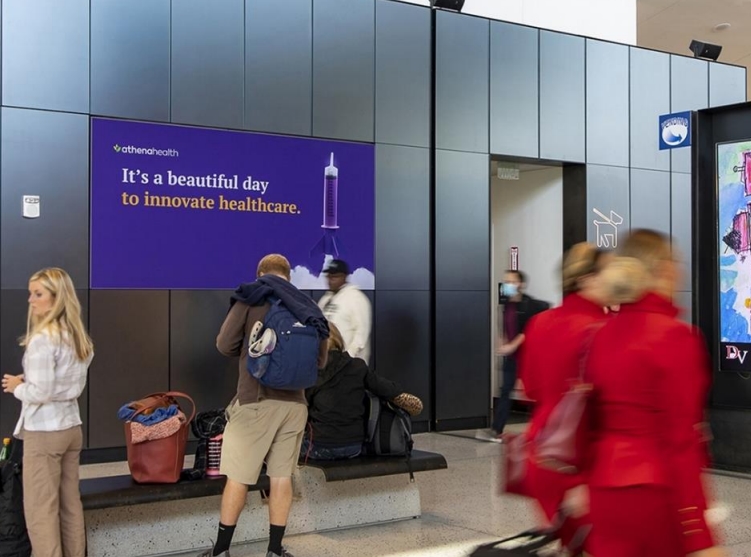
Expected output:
(336, 403)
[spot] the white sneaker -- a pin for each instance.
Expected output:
(488, 435)
(483, 435)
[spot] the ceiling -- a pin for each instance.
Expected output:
(670, 25)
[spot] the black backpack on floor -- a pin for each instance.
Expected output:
(388, 430)
(14, 540)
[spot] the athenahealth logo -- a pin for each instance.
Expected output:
(148, 151)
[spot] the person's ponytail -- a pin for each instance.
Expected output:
(625, 280)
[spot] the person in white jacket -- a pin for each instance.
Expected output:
(349, 309)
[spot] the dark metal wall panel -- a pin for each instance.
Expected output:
(562, 100)
(402, 82)
(689, 90)
(131, 333)
(650, 97)
(607, 103)
(514, 90)
(650, 200)
(46, 154)
(682, 229)
(462, 82)
(402, 218)
(608, 193)
(208, 63)
(462, 221)
(196, 366)
(46, 54)
(278, 66)
(462, 354)
(727, 84)
(402, 326)
(130, 59)
(343, 69)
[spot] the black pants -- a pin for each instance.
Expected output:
(503, 408)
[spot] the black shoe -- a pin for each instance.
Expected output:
(285, 553)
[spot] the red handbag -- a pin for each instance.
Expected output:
(556, 445)
(517, 462)
(158, 461)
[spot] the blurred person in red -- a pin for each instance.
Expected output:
(554, 345)
(650, 375)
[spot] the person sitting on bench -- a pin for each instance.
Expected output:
(336, 404)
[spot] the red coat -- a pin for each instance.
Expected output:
(651, 378)
(550, 360)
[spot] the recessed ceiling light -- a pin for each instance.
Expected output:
(722, 26)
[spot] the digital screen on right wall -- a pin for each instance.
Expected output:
(734, 263)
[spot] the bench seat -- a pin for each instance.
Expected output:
(124, 518)
(377, 466)
(122, 491)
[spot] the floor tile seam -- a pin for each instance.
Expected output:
(444, 522)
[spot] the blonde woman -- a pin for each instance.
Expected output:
(551, 359)
(651, 376)
(58, 354)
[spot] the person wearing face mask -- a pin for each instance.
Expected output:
(519, 308)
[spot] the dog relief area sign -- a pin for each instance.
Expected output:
(179, 207)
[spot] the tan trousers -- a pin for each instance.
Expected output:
(51, 498)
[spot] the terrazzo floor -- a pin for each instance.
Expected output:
(462, 508)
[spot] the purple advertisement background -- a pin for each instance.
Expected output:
(151, 247)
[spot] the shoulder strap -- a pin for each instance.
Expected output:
(374, 412)
(589, 338)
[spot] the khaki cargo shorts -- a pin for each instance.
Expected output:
(270, 431)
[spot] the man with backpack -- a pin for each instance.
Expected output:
(269, 325)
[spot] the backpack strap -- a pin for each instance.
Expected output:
(402, 416)
(374, 411)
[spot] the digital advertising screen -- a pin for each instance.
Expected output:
(734, 265)
(181, 207)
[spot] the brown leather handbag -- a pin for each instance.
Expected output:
(158, 461)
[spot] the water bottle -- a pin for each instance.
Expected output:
(5, 451)
(214, 456)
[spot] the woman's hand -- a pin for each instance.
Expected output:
(576, 502)
(10, 382)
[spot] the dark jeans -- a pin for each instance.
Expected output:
(503, 408)
(333, 452)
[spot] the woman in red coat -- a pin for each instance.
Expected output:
(651, 376)
(551, 358)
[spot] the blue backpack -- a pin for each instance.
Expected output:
(282, 352)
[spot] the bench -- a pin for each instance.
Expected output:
(121, 491)
(373, 466)
(165, 518)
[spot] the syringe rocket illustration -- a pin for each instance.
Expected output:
(328, 244)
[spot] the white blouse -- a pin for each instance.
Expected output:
(54, 378)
